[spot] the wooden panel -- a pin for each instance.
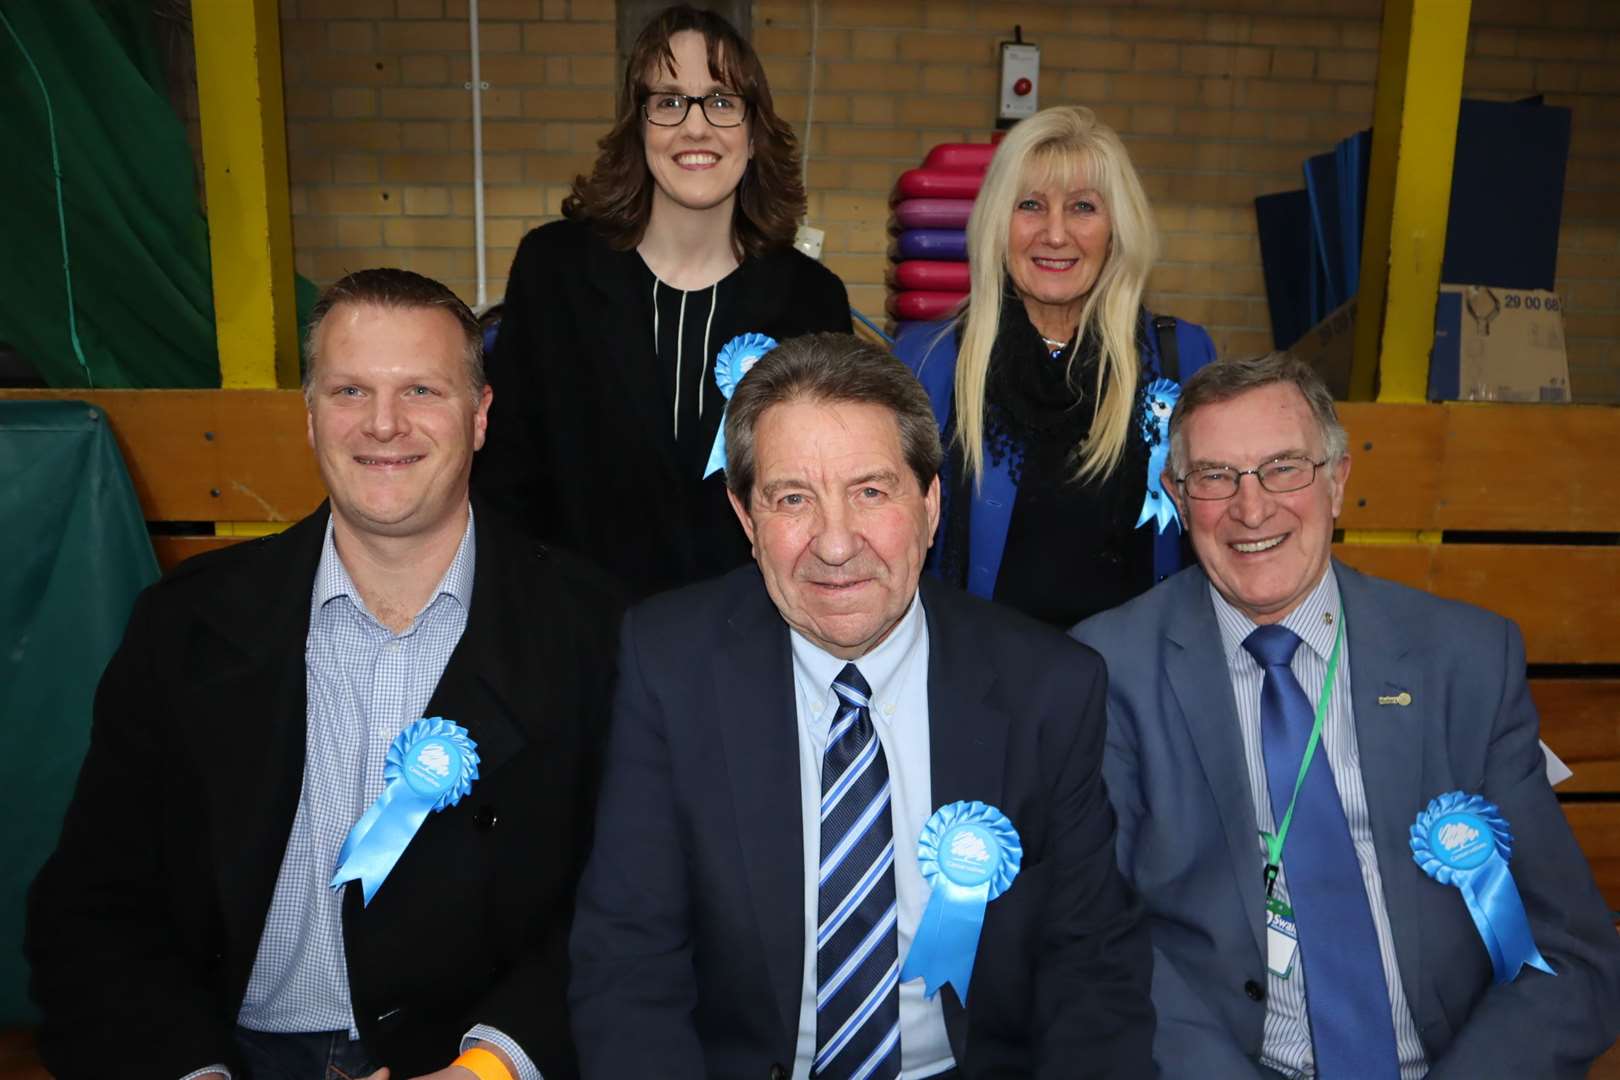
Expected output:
(1562, 597)
(210, 455)
(173, 550)
(1597, 830)
(1395, 455)
(1529, 467)
(1580, 720)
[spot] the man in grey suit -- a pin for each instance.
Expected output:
(1272, 685)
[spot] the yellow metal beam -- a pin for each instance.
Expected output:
(1420, 69)
(238, 45)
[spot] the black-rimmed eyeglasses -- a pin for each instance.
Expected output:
(1278, 477)
(720, 110)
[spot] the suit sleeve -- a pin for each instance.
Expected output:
(509, 472)
(1092, 1002)
(107, 972)
(633, 989)
(1540, 1025)
(1187, 1030)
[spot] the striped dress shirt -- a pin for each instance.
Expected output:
(1286, 1046)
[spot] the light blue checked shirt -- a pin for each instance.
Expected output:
(364, 685)
(1286, 1045)
(897, 674)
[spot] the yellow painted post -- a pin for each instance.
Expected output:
(1420, 69)
(238, 45)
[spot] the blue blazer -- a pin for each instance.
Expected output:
(1175, 771)
(929, 350)
(688, 947)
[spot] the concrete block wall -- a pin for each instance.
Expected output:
(1218, 101)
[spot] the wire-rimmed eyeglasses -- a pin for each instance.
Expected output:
(720, 110)
(1279, 477)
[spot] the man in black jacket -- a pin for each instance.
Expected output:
(810, 754)
(220, 903)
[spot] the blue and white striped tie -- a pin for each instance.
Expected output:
(857, 945)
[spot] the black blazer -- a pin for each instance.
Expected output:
(689, 942)
(579, 449)
(144, 924)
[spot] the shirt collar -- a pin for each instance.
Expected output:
(816, 668)
(332, 577)
(1315, 620)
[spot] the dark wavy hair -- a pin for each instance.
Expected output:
(617, 197)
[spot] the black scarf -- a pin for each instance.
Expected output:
(1038, 410)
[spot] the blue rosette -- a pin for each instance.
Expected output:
(1462, 840)
(969, 854)
(736, 357)
(430, 765)
(1158, 402)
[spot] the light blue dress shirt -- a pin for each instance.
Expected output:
(897, 673)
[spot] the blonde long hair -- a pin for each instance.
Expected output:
(1060, 145)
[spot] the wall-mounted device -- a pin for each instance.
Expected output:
(1020, 80)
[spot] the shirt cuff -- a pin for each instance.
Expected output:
(495, 1037)
(207, 1070)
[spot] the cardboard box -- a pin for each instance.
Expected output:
(1495, 344)
(1329, 347)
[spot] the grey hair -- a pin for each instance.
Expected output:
(1227, 379)
(830, 368)
(390, 287)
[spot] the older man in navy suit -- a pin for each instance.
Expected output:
(1278, 723)
(754, 906)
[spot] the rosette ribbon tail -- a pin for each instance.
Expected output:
(717, 453)
(430, 766)
(1157, 506)
(380, 837)
(947, 938)
(1498, 912)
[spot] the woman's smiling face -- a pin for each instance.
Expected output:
(695, 165)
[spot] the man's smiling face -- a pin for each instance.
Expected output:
(1264, 552)
(839, 525)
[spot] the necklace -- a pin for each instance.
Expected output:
(1054, 347)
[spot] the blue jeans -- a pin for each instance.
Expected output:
(320, 1055)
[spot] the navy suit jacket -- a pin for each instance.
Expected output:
(1187, 834)
(688, 944)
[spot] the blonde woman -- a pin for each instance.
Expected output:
(1053, 385)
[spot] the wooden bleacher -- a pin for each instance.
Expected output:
(1527, 508)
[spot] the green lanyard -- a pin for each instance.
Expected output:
(1274, 841)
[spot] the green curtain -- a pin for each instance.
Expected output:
(75, 553)
(87, 73)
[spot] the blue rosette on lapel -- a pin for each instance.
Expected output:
(1159, 401)
(1462, 840)
(736, 357)
(969, 854)
(430, 765)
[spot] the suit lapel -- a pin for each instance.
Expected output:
(1390, 741)
(251, 646)
(752, 674)
(967, 734)
(485, 673)
(1197, 672)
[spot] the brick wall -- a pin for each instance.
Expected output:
(1218, 100)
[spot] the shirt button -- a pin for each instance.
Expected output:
(1254, 990)
(888, 709)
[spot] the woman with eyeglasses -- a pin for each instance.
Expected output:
(678, 243)
(1053, 385)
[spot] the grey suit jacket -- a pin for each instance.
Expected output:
(1175, 771)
